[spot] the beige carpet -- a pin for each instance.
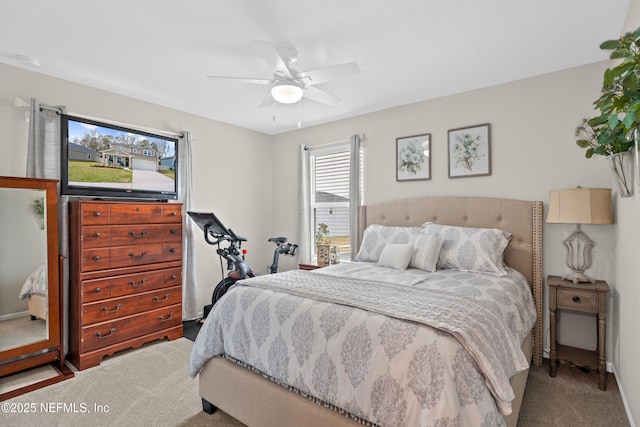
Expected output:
(150, 386)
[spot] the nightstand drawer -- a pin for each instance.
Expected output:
(573, 299)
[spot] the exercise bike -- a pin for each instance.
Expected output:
(215, 233)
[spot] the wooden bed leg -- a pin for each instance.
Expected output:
(208, 407)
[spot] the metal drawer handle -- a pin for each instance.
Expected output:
(99, 335)
(173, 277)
(96, 290)
(136, 285)
(115, 310)
(157, 299)
(133, 234)
(164, 319)
(172, 250)
(132, 255)
(173, 231)
(96, 213)
(96, 258)
(576, 299)
(96, 234)
(174, 213)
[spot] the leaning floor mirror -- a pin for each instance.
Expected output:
(30, 296)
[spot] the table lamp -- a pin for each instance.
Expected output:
(579, 206)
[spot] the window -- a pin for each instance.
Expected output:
(329, 192)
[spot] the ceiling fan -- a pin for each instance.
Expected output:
(288, 85)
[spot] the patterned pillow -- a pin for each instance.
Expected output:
(376, 237)
(471, 249)
(426, 250)
(396, 255)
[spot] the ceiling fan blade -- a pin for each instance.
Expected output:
(240, 80)
(315, 94)
(326, 74)
(273, 57)
(267, 101)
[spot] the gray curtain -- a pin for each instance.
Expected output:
(185, 195)
(43, 161)
(305, 237)
(355, 192)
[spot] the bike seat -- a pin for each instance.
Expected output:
(278, 240)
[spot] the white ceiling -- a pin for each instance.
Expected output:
(408, 50)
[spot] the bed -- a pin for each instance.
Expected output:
(262, 395)
(34, 290)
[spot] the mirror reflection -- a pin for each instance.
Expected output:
(23, 267)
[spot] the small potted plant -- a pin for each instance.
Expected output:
(615, 131)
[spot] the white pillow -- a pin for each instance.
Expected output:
(396, 255)
(471, 249)
(376, 237)
(426, 250)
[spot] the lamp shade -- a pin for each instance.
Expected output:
(286, 92)
(580, 206)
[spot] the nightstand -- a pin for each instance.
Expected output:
(586, 298)
(310, 266)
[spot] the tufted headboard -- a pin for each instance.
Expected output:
(523, 219)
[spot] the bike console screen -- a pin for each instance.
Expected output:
(209, 222)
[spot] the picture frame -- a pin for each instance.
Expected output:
(324, 254)
(469, 151)
(413, 157)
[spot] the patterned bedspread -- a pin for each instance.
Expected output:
(36, 283)
(390, 347)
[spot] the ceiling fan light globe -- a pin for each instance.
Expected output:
(286, 92)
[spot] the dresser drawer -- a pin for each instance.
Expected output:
(172, 277)
(135, 283)
(94, 214)
(573, 299)
(129, 213)
(129, 256)
(109, 309)
(160, 298)
(94, 290)
(172, 212)
(172, 251)
(140, 234)
(95, 259)
(107, 333)
(95, 236)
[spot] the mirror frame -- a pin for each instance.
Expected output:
(50, 350)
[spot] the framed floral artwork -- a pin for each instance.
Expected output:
(413, 157)
(470, 151)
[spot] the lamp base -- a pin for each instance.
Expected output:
(577, 277)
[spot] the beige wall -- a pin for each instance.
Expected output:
(627, 293)
(533, 150)
(226, 158)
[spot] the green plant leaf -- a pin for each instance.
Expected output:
(620, 53)
(613, 121)
(610, 44)
(630, 118)
(589, 153)
(620, 69)
(582, 143)
(608, 78)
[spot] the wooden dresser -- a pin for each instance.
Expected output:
(125, 276)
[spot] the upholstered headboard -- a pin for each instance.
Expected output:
(523, 219)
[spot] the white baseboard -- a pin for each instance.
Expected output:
(612, 368)
(13, 315)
